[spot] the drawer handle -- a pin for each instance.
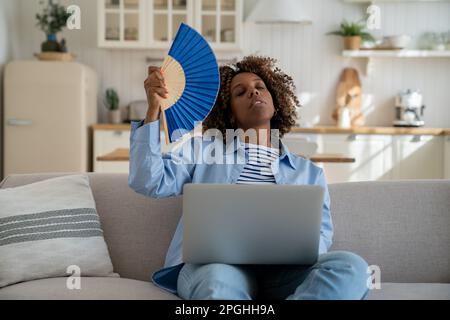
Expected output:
(18, 122)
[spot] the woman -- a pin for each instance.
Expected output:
(254, 95)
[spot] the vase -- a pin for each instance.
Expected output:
(352, 43)
(114, 116)
(51, 44)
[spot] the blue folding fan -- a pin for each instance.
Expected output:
(192, 78)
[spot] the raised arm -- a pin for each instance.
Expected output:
(152, 173)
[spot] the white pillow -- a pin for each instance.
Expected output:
(47, 226)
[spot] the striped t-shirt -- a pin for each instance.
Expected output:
(258, 169)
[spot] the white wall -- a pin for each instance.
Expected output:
(312, 58)
(8, 15)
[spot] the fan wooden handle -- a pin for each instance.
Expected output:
(166, 131)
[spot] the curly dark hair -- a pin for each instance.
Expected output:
(280, 85)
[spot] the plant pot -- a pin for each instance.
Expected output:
(51, 45)
(114, 116)
(352, 43)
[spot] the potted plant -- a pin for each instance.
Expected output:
(52, 20)
(112, 104)
(354, 33)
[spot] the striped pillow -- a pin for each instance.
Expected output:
(47, 226)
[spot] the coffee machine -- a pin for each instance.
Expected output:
(409, 109)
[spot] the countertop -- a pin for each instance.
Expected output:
(326, 130)
(123, 154)
(373, 130)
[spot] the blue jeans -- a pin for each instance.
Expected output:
(336, 275)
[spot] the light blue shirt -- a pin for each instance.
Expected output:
(158, 175)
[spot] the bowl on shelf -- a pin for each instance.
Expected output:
(398, 41)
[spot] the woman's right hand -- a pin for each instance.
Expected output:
(155, 88)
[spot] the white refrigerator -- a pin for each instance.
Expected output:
(49, 107)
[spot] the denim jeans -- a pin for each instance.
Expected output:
(336, 275)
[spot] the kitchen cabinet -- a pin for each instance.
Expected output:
(106, 141)
(386, 157)
(373, 155)
(108, 138)
(153, 23)
(301, 144)
(220, 22)
(418, 157)
(377, 156)
(121, 23)
(164, 18)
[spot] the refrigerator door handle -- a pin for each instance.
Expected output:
(18, 122)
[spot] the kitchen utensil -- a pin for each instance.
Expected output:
(345, 120)
(398, 41)
(349, 85)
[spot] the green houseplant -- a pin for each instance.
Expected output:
(353, 33)
(52, 20)
(112, 104)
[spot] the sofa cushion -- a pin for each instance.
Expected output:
(49, 229)
(368, 216)
(123, 289)
(91, 288)
(400, 226)
(137, 229)
(411, 291)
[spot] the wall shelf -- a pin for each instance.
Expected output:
(370, 55)
(374, 1)
(396, 53)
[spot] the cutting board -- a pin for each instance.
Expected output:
(349, 93)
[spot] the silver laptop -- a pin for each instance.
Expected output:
(251, 224)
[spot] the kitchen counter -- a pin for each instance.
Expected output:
(373, 130)
(326, 130)
(123, 154)
(112, 127)
(109, 126)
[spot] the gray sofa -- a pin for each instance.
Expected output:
(402, 226)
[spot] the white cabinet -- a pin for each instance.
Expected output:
(165, 16)
(377, 157)
(220, 22)
(106, 141)
(121, 23)
(418, 157)
(386, 157)
(301, 144)
(110, 139)
(154, 23)
(372, 153)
